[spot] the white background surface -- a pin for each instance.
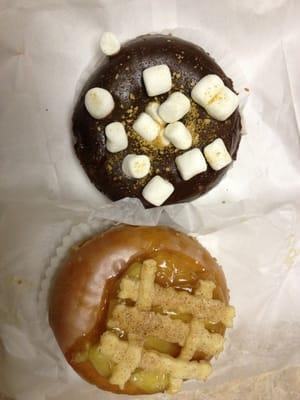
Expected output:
(250, 222)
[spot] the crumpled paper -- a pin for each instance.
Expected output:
(259, 253)
(250, 221)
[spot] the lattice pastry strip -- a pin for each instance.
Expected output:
(197, 337)
(174, 385)
(116, 349)
(182, 302)
(139, 322)
(205, 289)
(146, 286)
(149, 323)
(200, 338)
(131, 360)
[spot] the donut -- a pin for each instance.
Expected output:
(92, 303)
(122, 76)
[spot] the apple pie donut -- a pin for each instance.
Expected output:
(156, 322)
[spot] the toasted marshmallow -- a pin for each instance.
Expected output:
(116, 138)
(157, 80)
(206, 89)
(162, 139)
(217, 99)
(99, 102)
(157, 190)
(223, 104)
(178, 135)
(136, 166)
(217, 155)
(190, 163)
(175, 107)
(109, 44)
(152, 110)
(146, 127)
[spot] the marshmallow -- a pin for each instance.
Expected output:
(217, 155)
(99, 102)
(109, 44)
(175, 107)
(146, 127)
(136, 166)
(162, 140)
(190, 163)
(217, 99)
(116, 137)
(178, 135)
(152, 110)
(206, 89)
(157, 190)
(223, 104)
(157, 80)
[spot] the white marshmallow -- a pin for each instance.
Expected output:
(190, 163)
(157, 80)
(99, 102)
(217, 99)
(116, 138)
(136, 166)
(109, 44)
(152, 110)
(223, 104)
(217, 155)
(178, 135)
(175, 107)
(146, 127)
(157, 190)
(206, 89)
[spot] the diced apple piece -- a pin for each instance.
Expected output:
(101, 364)
(162, 346)
(150, 381)
(134, 270)
(183, 317)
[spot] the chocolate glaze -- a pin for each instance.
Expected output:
(122, 76)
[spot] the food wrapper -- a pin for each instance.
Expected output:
(249, 222)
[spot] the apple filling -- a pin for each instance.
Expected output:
(164, 319)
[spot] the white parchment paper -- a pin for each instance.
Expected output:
(250, 222)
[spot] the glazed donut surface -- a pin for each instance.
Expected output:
(87, 281)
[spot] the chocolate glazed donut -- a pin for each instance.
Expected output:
(79, 297)
(121, 75)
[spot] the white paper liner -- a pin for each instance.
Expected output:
(270, 275)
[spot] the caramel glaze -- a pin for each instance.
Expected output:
(78, 302)
(121, 75)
